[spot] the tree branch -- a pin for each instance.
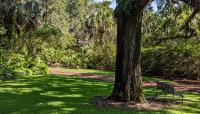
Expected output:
(195, 4)
(192, 3)
(187, 23)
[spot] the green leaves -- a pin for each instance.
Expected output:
(48, 31)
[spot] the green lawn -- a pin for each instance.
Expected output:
(104, 72)
(51, 94)
(86, 71)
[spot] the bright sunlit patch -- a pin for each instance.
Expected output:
(14, 84)
(59, 95)
(56, 103)
(19, 90)
(41, 104)
(68, 109)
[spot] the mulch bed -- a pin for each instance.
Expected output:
(153, 104)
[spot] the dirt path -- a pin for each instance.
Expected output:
(182, 85)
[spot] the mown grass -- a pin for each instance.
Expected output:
(51, 94)
(104, 72)
(86, 71)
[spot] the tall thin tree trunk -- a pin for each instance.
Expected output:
(128, 81)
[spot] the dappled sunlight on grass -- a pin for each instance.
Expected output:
(58, 94)
(71, 95)
(21, 91)
(49, 94)
(86, 71)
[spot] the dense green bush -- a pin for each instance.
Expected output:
(99, 57)
(175, 59)
(37, 66)
(14, 65)
(6, 72)
(72, 59)
(90, 56)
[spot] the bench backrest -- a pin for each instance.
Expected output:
(165, 87)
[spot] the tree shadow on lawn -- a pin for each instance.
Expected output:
(58, 94)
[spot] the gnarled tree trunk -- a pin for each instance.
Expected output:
(128, 81)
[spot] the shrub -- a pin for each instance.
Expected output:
(179, 60)
(72, 59)
(14, 65)
(37, 66)
(100, 56)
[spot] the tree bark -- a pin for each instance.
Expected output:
(128, 80)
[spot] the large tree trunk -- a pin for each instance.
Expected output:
(128, 81)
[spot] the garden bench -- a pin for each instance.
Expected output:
(168, 89)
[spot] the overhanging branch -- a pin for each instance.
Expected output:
(195, 4)
(188, 21)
